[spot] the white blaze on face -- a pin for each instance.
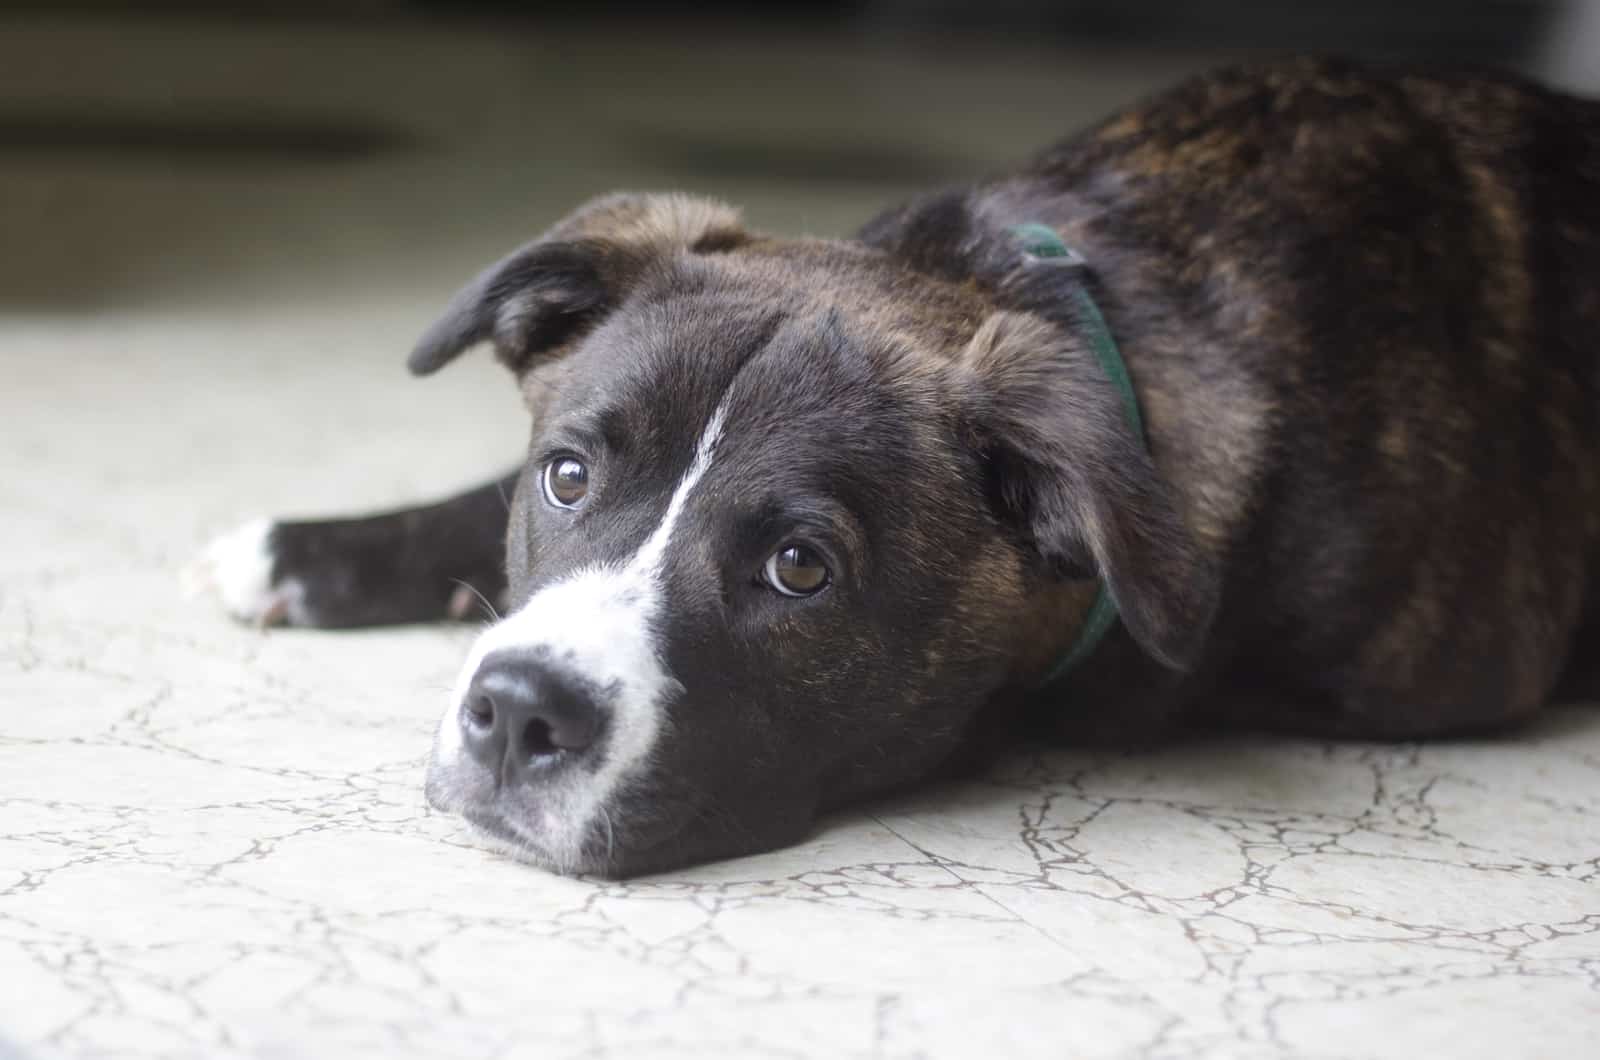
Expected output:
(598, 621)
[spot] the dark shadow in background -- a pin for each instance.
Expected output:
(1466, 30)
(705, 157)
(237, 138)
(92, 133)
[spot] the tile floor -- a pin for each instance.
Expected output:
(212, 840)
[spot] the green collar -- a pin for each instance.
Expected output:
(1041, 243)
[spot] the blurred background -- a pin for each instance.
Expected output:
(243, 151)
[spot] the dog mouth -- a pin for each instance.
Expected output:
(613, 840)
(500, 827)
(508, 840)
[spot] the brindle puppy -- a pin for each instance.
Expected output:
(805, 520)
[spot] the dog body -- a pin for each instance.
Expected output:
(806, 520)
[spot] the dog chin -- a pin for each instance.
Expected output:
(599, 851)
(501, 831)
(541, 837)
(505, 839)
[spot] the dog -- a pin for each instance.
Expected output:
(1268, 403)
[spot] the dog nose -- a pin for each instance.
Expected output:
(521, 711)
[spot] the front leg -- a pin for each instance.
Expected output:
(445, 560)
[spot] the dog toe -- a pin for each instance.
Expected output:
(237, 569)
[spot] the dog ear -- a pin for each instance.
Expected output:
(533, 303)
(1074, 475)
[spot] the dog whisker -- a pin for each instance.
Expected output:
(494, 614)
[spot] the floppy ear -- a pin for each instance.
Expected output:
(1074, 475)
(537, 300)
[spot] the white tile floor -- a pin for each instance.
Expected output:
(213, 843)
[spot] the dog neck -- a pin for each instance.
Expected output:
(1044, 249)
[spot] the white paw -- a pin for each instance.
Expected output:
(237, 569)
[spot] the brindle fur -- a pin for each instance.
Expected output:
(1362, 316)
(1360, 309)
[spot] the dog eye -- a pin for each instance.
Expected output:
(566, 481)
(796, 570)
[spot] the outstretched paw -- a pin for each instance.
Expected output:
(237, 568)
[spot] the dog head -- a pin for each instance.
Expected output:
(795, 520)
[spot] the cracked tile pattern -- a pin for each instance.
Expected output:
(213, 842)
